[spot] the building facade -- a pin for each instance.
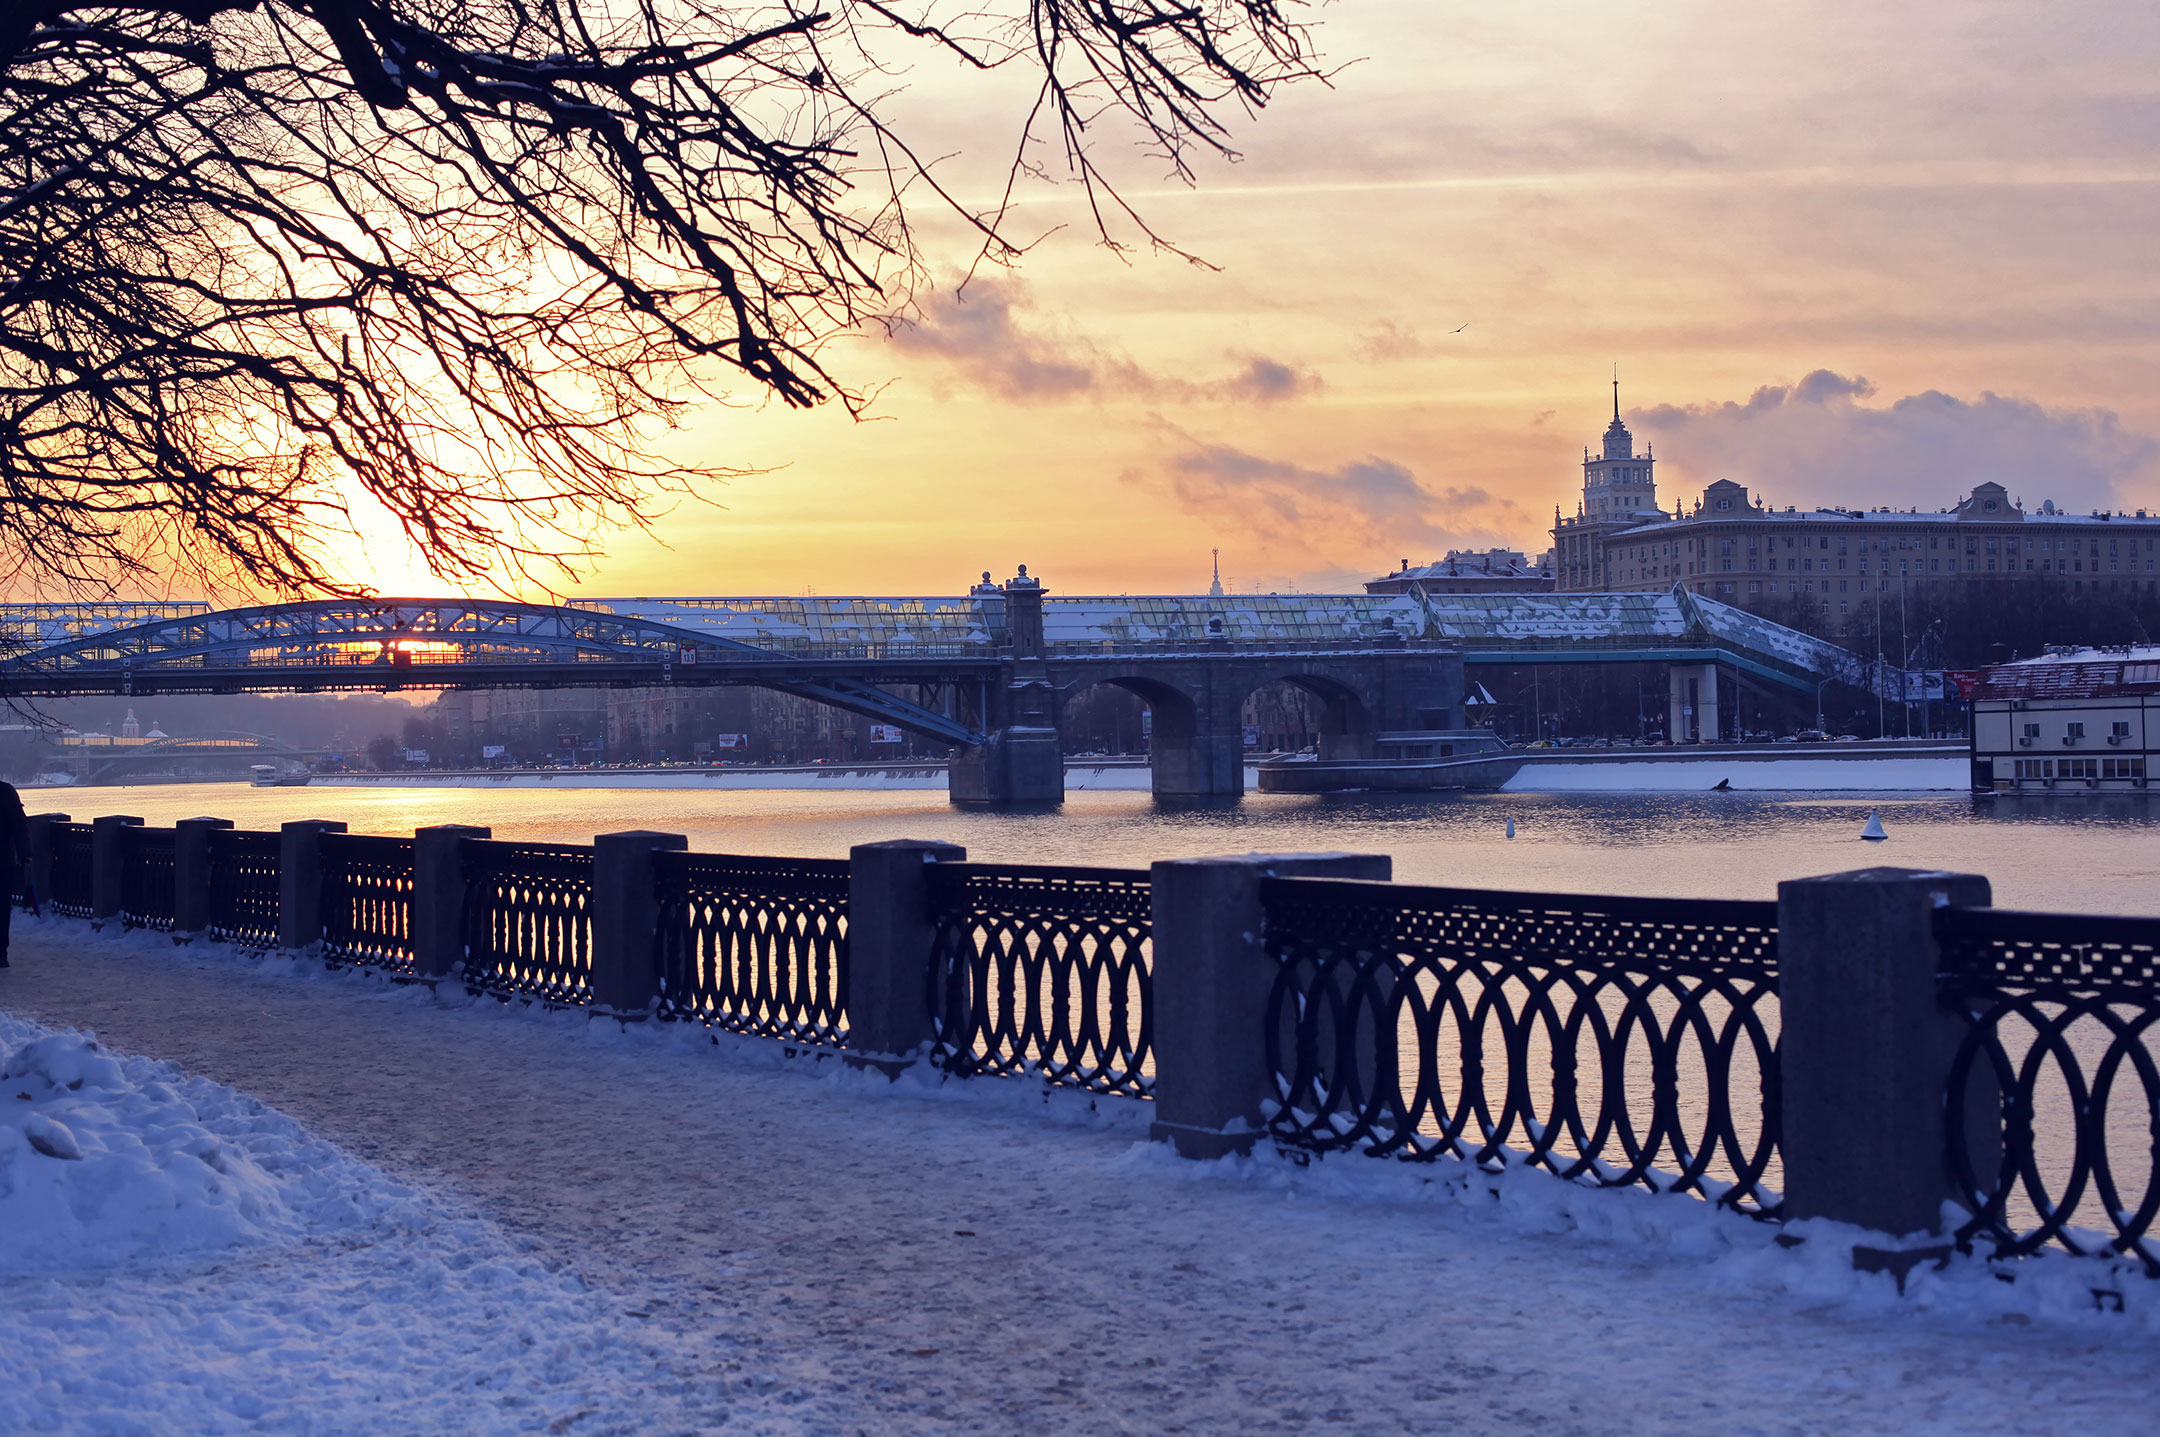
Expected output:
(2066, 723)
(1732, 547)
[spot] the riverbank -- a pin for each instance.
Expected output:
(652, 1246)
(1126, 775)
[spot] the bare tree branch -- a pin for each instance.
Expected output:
(465, 259)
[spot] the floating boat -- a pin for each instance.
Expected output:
(1873, 833)
(265, 775)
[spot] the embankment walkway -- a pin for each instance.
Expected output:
(965, 1259)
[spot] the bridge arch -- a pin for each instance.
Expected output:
(1180, 744)
(1346, 723)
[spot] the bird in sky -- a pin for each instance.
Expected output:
(1458, 329)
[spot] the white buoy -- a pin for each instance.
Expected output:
(1873, 833)
(1511, 828)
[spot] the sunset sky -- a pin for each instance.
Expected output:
(1841, 255)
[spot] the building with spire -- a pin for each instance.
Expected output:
(1619, 492)
(1734, 547)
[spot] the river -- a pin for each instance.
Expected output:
(2077, 853)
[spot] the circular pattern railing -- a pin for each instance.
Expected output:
(1045, 972)
(754, 945)
(2054, 1089)
(1609, 1041)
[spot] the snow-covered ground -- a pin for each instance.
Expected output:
(461, 1216)
(1129, 777)
(1824, 775)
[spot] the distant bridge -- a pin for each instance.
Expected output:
(990, 670)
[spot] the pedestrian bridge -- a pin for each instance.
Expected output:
(987, 671)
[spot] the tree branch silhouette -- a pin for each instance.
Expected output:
(264, 261)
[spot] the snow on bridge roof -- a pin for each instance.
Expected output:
(975, 623)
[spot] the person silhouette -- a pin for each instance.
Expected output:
(14, 852)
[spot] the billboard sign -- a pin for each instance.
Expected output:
(886, 733)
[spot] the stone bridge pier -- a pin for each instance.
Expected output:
(1196, 703)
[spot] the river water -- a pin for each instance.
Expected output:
(2088, 853)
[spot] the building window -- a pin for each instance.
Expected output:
(2121, 728)
(1755, 587)
(1841, 586)
(2122, 768)
(2032, 730)
(2075, 730)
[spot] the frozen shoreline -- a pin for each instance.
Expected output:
(652, 1247)
(1747, 775)
(1131, 777)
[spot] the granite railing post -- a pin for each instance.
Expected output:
(41, 856)
(1865, 1055)
(438, 897)
(191, 875)
(107, 864)
(1213, 975)
(890, 932)
(300, 895)
(625, 910)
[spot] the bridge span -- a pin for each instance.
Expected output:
(987, 672)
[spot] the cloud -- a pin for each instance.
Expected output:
(1369, 503)
(1268, 381)
(1818, 442)
(984, 333)
(1390, 341)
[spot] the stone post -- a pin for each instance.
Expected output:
(625, 968)
(890, 927)
(1866, 1050)
(191, 875)
(106, 865)
(438, 898)
(300, 905)
(1212, 979)
(41, 856)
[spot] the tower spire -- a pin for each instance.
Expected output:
(1216, 590)
(1616, 393)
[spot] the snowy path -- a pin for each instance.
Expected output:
(843, 1257)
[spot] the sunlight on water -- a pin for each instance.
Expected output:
(2091, 854)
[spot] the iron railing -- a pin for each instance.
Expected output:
(146, 878)
(1609, 1040)
(244, 898)
(367, 888)
(1044, 971)
(528, 919)
(70, 896)
(754, 945)
(2056, 1084)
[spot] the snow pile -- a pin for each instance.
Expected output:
(98, 1164)
(1803, 1264)
(177, 1257)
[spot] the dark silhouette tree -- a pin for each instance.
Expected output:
(263, 261)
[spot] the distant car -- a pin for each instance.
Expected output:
(1811, 735)
(1848, 738)
(1539, 743)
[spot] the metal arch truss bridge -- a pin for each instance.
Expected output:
(989, 671)
(326, 645)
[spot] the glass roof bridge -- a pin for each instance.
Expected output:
(849, 652)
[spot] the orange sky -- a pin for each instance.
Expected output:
(1955, 203)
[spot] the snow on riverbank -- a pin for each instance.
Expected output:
(820, 1250)
(1125, 777)
(1823, 775)
(175, 1257)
